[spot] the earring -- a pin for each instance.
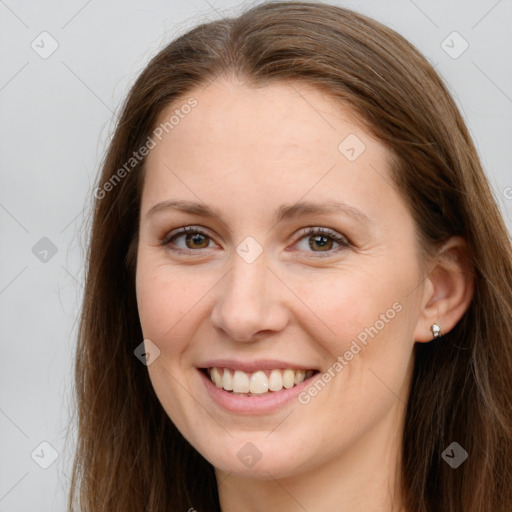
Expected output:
(436, 330)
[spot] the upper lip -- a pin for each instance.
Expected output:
(254, 365)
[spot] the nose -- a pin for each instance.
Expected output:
(250, 304)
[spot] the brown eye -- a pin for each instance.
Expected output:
(324, 243)
(194, 239)
(322, 240)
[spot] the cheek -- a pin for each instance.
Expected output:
(369, 339)
(162, 303)
(355, 305)
(366, 332)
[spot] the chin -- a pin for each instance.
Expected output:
(262, 460)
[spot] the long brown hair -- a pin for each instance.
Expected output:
(129, 455)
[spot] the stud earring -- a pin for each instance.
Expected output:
(436, 330)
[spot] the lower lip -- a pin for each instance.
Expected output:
(269, 402)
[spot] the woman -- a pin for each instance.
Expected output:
(298, 292)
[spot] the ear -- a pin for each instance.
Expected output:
(448, 290)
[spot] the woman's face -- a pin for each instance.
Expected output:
(250, 291)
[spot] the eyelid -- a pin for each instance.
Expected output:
(332, 233)
(343, 242)
(340, 239)
(183, 231)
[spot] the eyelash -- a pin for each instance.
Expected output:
(307, 232)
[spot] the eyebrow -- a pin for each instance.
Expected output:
(284, 212)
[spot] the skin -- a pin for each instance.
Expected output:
(244, 151)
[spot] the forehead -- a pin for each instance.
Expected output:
(243, 146)
(281, 115)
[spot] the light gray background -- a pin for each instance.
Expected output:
(56, 118)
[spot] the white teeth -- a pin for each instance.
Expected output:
(216, 377)
(227, 380)
(288, 379)
(257, 383)
(275, 382)
(299, 376)
(240, 382)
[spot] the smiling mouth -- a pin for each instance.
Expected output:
(259, 383)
